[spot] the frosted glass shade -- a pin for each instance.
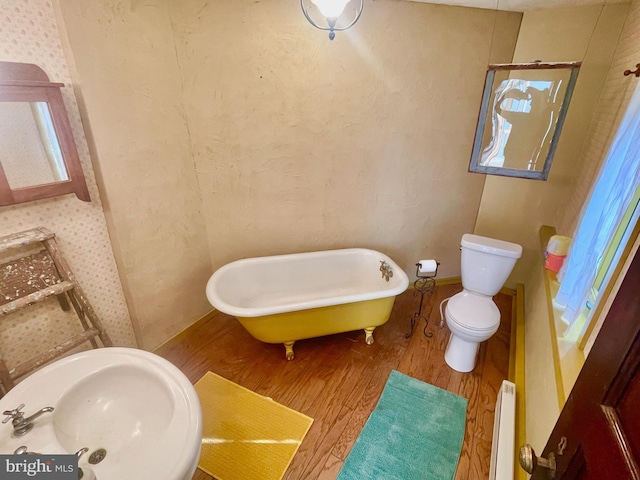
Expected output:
(330, 8)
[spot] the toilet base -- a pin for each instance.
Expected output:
(460, 354)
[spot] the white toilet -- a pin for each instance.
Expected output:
(471, 314)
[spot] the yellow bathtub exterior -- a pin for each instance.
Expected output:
(285, 298)
(289, 327)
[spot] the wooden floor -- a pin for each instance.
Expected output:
(337, 380)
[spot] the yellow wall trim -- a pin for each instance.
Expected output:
(546, 232)
(186, 331)
(440, 281)
(454, 280)
(208, 315)
(516, 373)
(448, 281)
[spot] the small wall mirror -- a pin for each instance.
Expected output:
(521, 116)
(38, 156)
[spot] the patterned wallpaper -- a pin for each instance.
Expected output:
(28, 33)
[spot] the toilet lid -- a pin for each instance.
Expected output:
(474, 312)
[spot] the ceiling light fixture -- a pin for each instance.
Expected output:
(331, 10)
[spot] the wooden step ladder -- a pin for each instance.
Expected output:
(33, 269)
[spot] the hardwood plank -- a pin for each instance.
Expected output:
(334, 413)
(321, 462)
(200, 475)
(495, 367)
(362, 411)
(390, 349)
(330, 469)
(338, 379)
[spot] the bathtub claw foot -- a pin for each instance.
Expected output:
(369, 335)
(289, 349)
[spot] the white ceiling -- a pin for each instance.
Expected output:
(521, 5)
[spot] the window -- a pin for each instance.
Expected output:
(607, 223)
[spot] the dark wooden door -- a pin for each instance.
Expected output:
(601, 418)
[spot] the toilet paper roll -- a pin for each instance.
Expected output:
(427, 266)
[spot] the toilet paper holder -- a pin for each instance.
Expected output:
(423, 285)
(420, 273)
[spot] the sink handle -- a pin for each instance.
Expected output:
(20, 424)
(23, 450)
(13, 414)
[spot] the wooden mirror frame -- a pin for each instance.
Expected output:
(26, 82)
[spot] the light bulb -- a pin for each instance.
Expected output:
(330, 8)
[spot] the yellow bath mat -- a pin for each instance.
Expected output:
(246, 436)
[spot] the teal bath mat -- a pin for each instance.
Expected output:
(414, 433)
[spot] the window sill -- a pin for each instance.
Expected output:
(567, 356)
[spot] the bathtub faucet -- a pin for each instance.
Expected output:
(385, 268)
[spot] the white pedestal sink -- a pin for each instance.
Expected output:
(136, 406)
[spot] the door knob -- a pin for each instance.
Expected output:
(529, 462)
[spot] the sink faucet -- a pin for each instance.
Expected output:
(20, 424)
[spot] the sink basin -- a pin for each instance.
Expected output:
(136, 408)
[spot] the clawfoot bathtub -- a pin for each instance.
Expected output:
(285, 298)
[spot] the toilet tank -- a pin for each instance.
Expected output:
(487, 263)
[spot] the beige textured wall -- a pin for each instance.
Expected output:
(127, 73)
(612, 103)
(514, 209)
(614, 98)
(540, 379)
(242, 120)
(29, 34)
(305, 144)
(600, 96)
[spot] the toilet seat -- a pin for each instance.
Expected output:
(474, 312)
